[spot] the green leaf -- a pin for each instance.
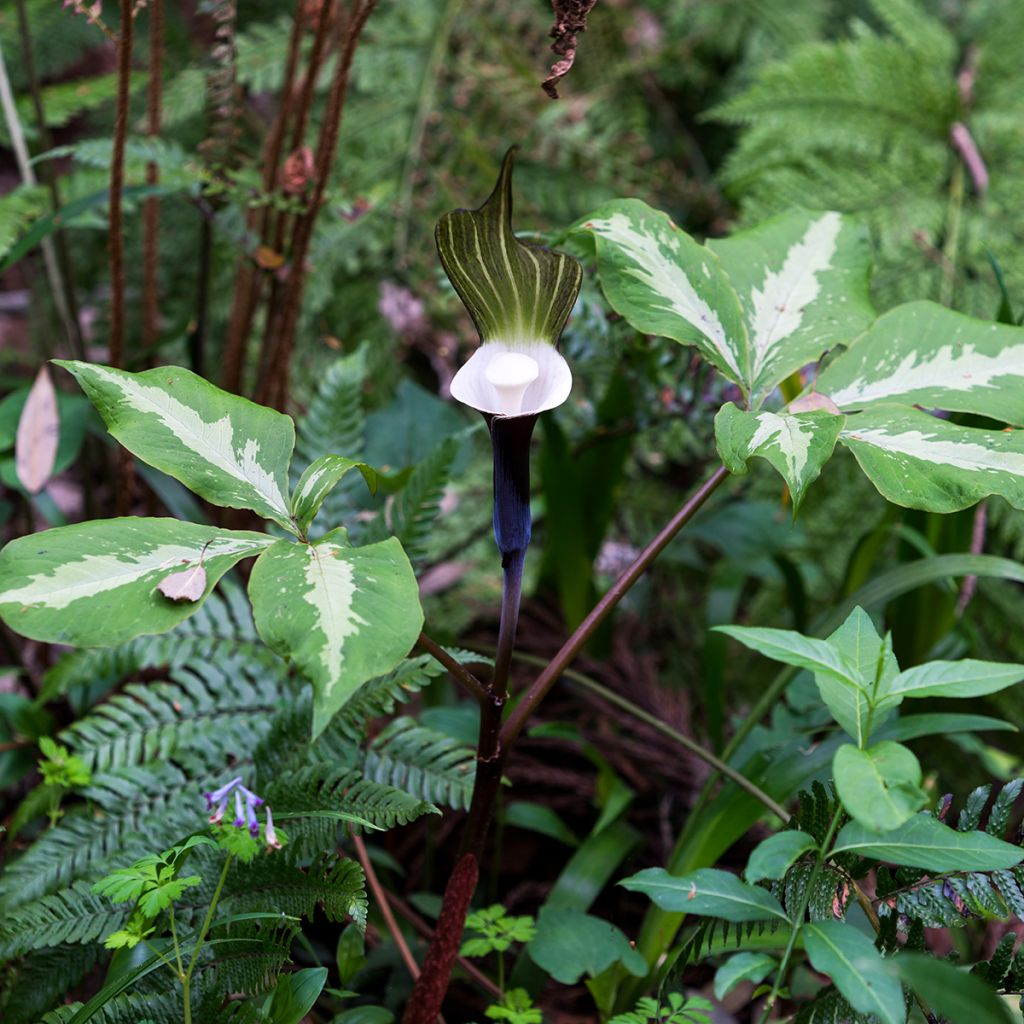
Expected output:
(665, 283)
(924, 842)
(796, 445)
(880, 786)
(773, 857)
(802, 280)
(342, 614)
(539, 818)
(954, 994)
(319, 480)
(514, 292)
(95, 584)
(792, 648)
(570, 944)
(224, 448)
(924, 354)
(753, 967)
(857, 969)
(294, 995)
(707, 892)
(967, 678)
(919, 461)
(351, 953)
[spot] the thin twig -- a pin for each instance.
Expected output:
(385, 908)
(151, 208)
(459, 671)
(115, 240)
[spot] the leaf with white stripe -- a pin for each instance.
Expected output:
(320, 478)
(342, 614)
(919, 461)
(224, 448)
(665, 283)
(797, 445)
(924, 354)
(802, 280)
(96, 584)
(515, 293)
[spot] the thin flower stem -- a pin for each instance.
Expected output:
(797, 919)
(201, 938)
(561, 661)
(177, 947)
(461, 674)
(666, 730)
(163, 959)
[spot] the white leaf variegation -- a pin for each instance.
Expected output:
(96, 584)
(797, 445)
(320, 478)
(342, 614)
(665, 283)
(802, 281)
(224, 448)
(924, 354)
(920, 461)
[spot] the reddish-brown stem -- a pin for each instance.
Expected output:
(151, 210)
(493, 745)
(282, 328)
(384, 906)
(115, 241)
(561, 661)
(248, 281)
(461, 674)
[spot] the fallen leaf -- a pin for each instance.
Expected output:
(187, 585)
(35, 444)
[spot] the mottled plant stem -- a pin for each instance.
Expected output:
(494, 742)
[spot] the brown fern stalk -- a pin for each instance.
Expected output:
(115, 241)
(248, 280)
(282, 325)
(151, 210)
(283, 221)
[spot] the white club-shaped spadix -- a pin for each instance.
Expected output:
(513, 380)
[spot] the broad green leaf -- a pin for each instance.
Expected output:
(802, 281)
(665, 283)
(797, 446)
(774, 856)
(967, 678)
(342, 614)
(539, 818)
(924, 354)
(924, 842)
(514, 292)
(320, 478)
(294, 995)
(707, 892)
(919, 461)
(792, 648)
(850, 959)
(224, 448)
(570, 944)
(95, 584)
(753, 967)
(953, 993)
(938, 723)
(880, 786)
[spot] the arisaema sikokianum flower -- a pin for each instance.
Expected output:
(519, 297)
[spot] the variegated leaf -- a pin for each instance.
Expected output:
(96, 584)
(919, 461)
(342, 614)
(320, 478)
(665, 283)
(802, 280)
(515, 293)
(924, 354)
(797, 445)
(225, 448)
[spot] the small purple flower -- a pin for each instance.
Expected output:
(273, 843)
(239, 812)
(246, 802)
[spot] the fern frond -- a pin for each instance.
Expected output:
(250, 958)
(425, 763)
(73, 914)
(829, 1007)
(18, 208)
(411, 513)
(43, 978)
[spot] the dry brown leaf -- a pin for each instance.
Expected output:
(35, 444)
(187, 585)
